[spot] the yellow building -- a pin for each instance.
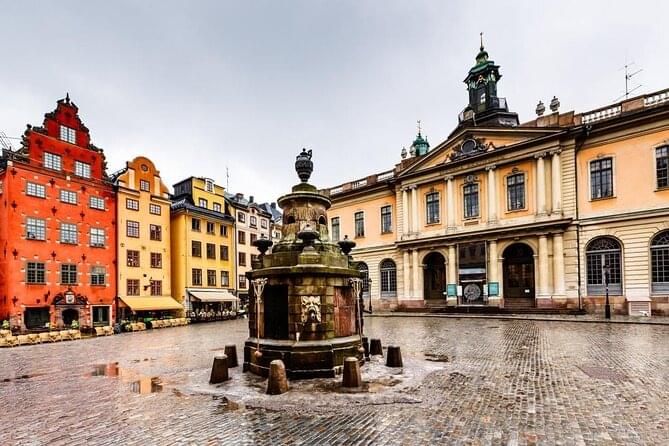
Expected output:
(203, 249)
(143, 260)
(520, 215)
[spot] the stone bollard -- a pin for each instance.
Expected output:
(394, 358)
(365, 345)
(277, 383)
(375, 347)
(231, 353)
(219, 370)
(352, 378)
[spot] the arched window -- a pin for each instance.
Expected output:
(599, 252)
(388, 278)
(659, 261)
(362, 267)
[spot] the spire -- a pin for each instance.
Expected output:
(420, 145)
(482, 56)
(481, 33)
(418, 122)
(67, 97)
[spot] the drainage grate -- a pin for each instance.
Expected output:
(597, 372)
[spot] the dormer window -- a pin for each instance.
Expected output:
(82, 170)
(209, 185)
(68, 135)
(144, 186)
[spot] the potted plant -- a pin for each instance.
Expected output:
(74, 325)
(5, 325)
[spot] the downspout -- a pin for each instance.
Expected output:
(580, 140)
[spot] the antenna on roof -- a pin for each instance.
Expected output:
(628, 78)
(227, 178)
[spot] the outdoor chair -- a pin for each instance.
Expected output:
(54, 336)
(74, 334)
(34, 338)
(5, 333)
(99, 331)
(108, 331)
(44, 337)
(141, 326)
(23, 339)
(8, 341)
(157, 324)
(65, 335)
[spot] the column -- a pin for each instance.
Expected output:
(556, 183)
(492, 193)
(452, 277)
(414, 209)
(558, 265)
(406, 273)
(450, 192)
(492, 271)
(541, 184)
(405, 213)
(415, 269)
(543, 266)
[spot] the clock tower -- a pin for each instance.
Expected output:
(485, 107)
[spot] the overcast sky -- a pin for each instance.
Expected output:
(198, 86)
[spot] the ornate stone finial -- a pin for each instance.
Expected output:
(346, 245)
(481, 34)
(541, 108)
(67, 97)
(404, 152)
(555, 104)
(418, 122)
(304, 166)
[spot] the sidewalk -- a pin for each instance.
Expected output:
(591, 318)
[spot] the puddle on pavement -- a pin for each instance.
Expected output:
(139, 383)
(21, 377)
(437, 358)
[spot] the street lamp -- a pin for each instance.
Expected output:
(607, 274)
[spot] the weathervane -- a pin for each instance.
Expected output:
(418, 122)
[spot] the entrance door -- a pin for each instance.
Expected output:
(275, 301)
(100, 316)
(519, 274)
(434, 276)
(70, 315)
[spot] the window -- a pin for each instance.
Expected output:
(82, 170)
(254, 237)
(68, 135)
(224, 231)
(68, 196)
(217, 207)
(132, 287)
(223, 252)
(241, 237)
(211, 277)
(659, 260)
(132, 228)
(68, 274)
(195, 224)
(96, 203)
(35, 272)
(132, 258)
(515, 191)
(253, 222)
(208, 185)
(202, 203)
(131, 204)
(196, 276)
(98, 238)
(662, 166)
(156, 287)
(225, 278)
(601, 178)
(35, 190)
(35, 229)
(68, 233)
(360, 224)
(335, 228)
(98, 275)
(599, 252)
(364, 270)
(196, 249)
(53, 162)
(241, 217)
(242, 281)
(242, 259)
(211, 228)
(471, 200)
(263, 223)
(144, 186)
(388, 278)
(211, 251)
(155, 232)
(155, 209)
(156, 260)
(432, 208)
(386, 219)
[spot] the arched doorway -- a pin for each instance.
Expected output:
(434, 276)
(70, 315)
(519, 276)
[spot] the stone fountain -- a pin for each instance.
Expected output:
(303, 307)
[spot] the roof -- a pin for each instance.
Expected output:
(184, 203)
(272, 210)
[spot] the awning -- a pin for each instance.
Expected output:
(151, 303)
(214, 296)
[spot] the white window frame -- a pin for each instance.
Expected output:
(35, 228)
(97, 273)
(53, 161)
(98, 237)
(82, 169)
(68, 196)
(72, 233)
(35, 190)
(68, 134)
(153, 207)
(96, 203)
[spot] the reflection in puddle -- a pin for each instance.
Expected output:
(21, 377)
(139, 383)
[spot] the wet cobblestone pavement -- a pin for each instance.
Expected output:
(466, 381)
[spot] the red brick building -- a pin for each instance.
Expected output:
(57, 227)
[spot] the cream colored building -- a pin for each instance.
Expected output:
(143, 242)
(515, 215)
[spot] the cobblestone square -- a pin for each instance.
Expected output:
(475, 381)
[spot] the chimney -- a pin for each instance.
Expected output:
(251, 199)
(239, 196)
(273, 205)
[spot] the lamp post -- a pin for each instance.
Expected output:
(607, 307)
(356, 284)
(258, 287)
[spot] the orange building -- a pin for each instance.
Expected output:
(57, 227)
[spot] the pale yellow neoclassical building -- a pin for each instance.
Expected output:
(530, 215)
(143, 242)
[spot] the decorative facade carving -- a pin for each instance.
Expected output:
(311, 309)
